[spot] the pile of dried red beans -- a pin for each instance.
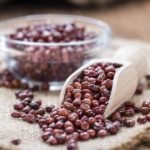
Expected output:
(50, 63)
(8, 80)
(80, 117)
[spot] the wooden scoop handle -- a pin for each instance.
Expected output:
(126, 78)
(136, 56)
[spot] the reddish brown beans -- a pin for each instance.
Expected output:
(18, 106)
(29, 118)
(107, 83)
(129, 122)
(68, 105)
(73, 117)
(52, 140)
(61, 125)
(111, 128)
(16, 115)
(92, 133)
(69, 130)
(144, 110)
(84, 126)
(63, 112)
(84, 136)
(102, 133)
(116, 116)
(148, 117)
(16, 142)
(72, 144)
(47, 59)
(142, 120)
(129, 112)
(146, 104)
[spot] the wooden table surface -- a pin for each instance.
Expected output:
(128, 19)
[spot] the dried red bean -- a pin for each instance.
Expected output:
(78, 95)
(72, 146)
(101, 77)
(41, 111)
(92, 133)
(129, 122)
(26, 101)
(73, 117)
(117, 124)
(34, 105)
(52, 140)
(129, 104)
(68, 124)
(17, 93)
(99, 118)
(110, 75)
(77, 102)
(46, 135)
(142, 120)
(86, 101)
(18, 106)
(146, 104)
(84, 136)
(77, 85)
(111, 128)
(116, 116)
(68, 105)
(84, 106)
(144, 110)
(104, 92)
(148, 76)
(29, 118)
(58, 131)
(16, 114)
(63, 112)
(110, 68)
(84, 126)
(102, 133)
(26, 109)
(69, 130)
(98, 126)
(89, 112)
(107, 83)
(94, 88)
(103, 100)
(129, 112)
(95, 103)
(91, 120)
(59, 125)
(16, 142)
(139, 89)
(148, 117)
(49, 108)
(61, 138)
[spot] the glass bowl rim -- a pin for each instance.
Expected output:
(106, 30)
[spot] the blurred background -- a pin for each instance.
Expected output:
(128, 18)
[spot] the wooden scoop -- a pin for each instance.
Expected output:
(126, 77)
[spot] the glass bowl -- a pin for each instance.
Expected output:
(51, 62)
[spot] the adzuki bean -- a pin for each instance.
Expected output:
(46, 63)
(82, 117)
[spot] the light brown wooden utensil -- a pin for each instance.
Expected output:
(126, 78)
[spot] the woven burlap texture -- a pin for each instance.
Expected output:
(30, 134)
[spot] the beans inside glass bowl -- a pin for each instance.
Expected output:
(48, 52)
(55, 63)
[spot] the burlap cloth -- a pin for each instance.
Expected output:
(136, 138)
